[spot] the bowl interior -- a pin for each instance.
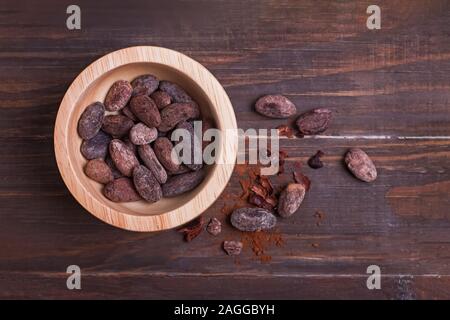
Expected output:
(97, 92)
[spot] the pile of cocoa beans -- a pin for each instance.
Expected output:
(126, 140)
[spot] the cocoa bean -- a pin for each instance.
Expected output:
(150, 160)
(161, 98)
(314, 122)
(175, 91)
(253, 219)
(115, 172)
(275, 106)
(117, 125)
(121, 190)
(91, 120)
(182, 183)
(163, 150)
(99, 171)
(233, 248)
(96, 147)
(181, 169)
(359, 163)
(145, 109)
(290, 199)
(196, 146)
(146, 184)
(177, 112)
(141, 134)
(123, 158)
(127, 112)
(144, 85)
(118, 95)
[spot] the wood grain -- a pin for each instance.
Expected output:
(390, 93)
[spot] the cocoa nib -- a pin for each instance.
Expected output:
(285, 131)
(193, 229)
(315, 162)
(214, 226)
(232, 248)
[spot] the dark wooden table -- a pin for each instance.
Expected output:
(389, 89)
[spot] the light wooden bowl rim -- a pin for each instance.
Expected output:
(220, 173)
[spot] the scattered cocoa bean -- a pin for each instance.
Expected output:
(253, 219)
(161, 98)
(359, 163)
(177, 112)
(91, 120)
(99, 171)
(123, 158)
(121, 190)
(96, 147)
(145, 109)
(141, 134)
(315, 162)
(146, 184)
(233, 248)
(290, 199)
(144, 85)
(150, 160)
(118, 95)
(127, 112)
(182, 183)
(275, 106)
(314, 122)
(117, 125)
(214, 226)
(196, 147)
(163, 150)
(175, 91)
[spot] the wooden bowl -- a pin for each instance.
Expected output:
(92, 85)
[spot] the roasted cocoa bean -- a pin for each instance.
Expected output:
(91, 120)
(99, 171)
(182, 183)
(130, 145)
(127, 112)
(290, 199)
(161, 98)
(146, 184)
(163, 150)
(117, 125)
(115, 172)
(314, 122)
(194, 162)
(123, 158)
(275, 106)
(181, 169)
(150, 160)
(145, 109)
(177, 112)
(233, 248)
(121, 190)
(359, 163)
(96, 147)
(253, 219)
(144, 85)
(118, 95)
(214, 227)
(141, 134)
(175, 91)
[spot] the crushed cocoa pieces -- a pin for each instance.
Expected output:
(285, 131)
